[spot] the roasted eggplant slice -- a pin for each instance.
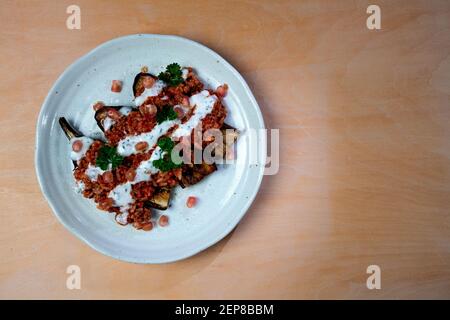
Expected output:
(138, 83)
(229, 135)
(102, 114)
(105, 116)
(194, 173)
(160, 199)
(69, 131)
(227, 126)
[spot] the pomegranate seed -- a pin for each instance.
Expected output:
(163, 220)
(222, 90)
(148, 109)
(114, 114)
(191, 201)
(131, 174)
(116, 86)
(141, 146)
(77, 145)
(108, 177)
(147, 226)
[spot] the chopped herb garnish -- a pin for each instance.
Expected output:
(166, 113)
(106, 156)
(173, 75)
(165, 163)
(166, 144)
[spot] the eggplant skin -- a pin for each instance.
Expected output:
(230, 136)
(102, 113)
(69, 131)
(226, 126)
(138, 86)
(193, 173)
(160, 199)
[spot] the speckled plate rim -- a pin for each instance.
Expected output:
(246, 205)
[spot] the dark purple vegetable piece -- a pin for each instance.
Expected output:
(138, 83)
(229, 136)
(70, 132)
(194, 173)
(102, 113)
(160, 199)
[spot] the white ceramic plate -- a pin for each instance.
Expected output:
(224, 196)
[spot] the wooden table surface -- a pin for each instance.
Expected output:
(364, 126)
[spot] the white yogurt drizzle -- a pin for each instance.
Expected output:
(122, 218)
(146, 168)
(204, 103)
(76, 156)
(150, 92)
(184, 73)
(121, 195)
(79, 187)
(125, 110)
(93, 172)
(108, 123)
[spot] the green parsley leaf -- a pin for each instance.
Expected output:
(166, 113)
(174, 69)
(166, 144)
(165, 163)
(106, 156)
(173, 75)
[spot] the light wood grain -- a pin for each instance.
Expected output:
(364, 177)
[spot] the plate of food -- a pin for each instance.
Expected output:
(147, 148)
